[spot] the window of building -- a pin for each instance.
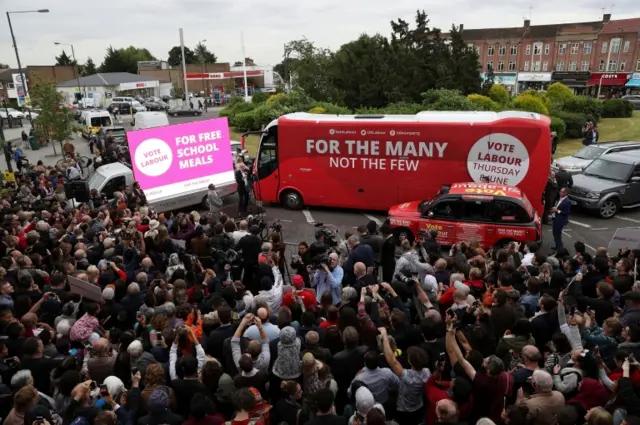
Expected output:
(560, 66)
(574, 48)
(11, 87)
(545, 65)
(536, 66)
(584, 66)
(638, 65)
(626, 46)
(623, 64)
(604, 47)
(601, 66)
(537, 49)
(572, 66)
(528, 50)
(489, 65)
(512, 66)
(526, 65)
(547, 49)
(502, 50)
(586, 48)
(490, 51)
(514, 50)
(615, 45)
(500, 66)
(562, 48)
(613, 65)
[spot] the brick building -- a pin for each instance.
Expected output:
(8, 92)
(590, 57)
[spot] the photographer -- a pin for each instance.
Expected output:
(328, 277)
(409, 266)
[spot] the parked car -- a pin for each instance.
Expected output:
(577, 162)
(633, 98)
(13, 113)
(180, 111)
(611, 182)
(166, 98)
(126, 108)
(156, 106)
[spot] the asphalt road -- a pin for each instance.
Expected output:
(298, 226)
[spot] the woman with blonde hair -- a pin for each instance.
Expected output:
(154, 378)
(22, 401)
(598, 416)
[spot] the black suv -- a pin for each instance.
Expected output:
(609, 183)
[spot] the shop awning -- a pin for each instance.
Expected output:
(633, 83)
(610, 79)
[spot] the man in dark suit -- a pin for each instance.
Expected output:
(560, 216)
(564, 178)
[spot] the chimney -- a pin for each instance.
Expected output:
(461, 27)
(606, 18)
(527, 23)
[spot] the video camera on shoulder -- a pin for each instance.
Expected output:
(319, 260)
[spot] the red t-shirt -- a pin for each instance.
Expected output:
(308, 299)
(327, 324)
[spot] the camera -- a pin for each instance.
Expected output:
(318, 261)
(330, 237)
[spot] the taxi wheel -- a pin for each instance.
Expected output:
(609, 208)
(291, 199)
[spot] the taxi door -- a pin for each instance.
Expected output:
(475, 221)
(442, 216)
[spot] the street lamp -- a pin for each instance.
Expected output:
(200, 43)
(15, 47)
(75, 69)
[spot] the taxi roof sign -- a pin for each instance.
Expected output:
(488, 189)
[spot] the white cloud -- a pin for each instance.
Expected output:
(267, 24)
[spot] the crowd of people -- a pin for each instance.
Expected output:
(112, 313)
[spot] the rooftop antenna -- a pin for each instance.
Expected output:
(530, 14)
(612, 6)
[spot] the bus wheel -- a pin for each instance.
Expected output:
(397, 231)
(291, 199)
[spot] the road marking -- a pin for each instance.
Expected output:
(308, 216)
(286, 221)
(578, 223)
(372, 218)
(590, 247)
(628, 219)
(600, 228)
(564, 232)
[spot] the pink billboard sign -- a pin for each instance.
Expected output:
(181, 158)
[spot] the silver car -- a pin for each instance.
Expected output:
(633, 98)
(577, 162)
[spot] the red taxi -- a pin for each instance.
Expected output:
(493, 214)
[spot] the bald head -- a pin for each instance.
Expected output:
(101, 346)
(446, 411)
(263, 314)
(147, 263)
(29, 320)
(244, 225)
(359, 269)
(312, 338)
(531, 354)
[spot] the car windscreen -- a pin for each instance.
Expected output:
(100, 121)
(119, 133)
(589, 152)
(95, 181)
(608, 170)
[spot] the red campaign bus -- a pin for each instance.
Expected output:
(375, 161)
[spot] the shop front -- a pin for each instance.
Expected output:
(576, 81)
(139, 88)
(533, 80)
(607, 84)
(633, 84)
(506, 79)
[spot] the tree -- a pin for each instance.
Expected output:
(360, 72)
(175, 56)
(283, 68)
(247, 61)
(89, 68)
(489, 80)
(203, 54)
(4, 66)
(311, 72)
(125, 60)
(559, 93)
(459, 67)
(64, 59)
(54, 122)
(499, 94)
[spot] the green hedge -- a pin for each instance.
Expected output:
(531, 103)
(559, 126)
(260, 97)
(584, 105)
(483, 103)
(573, 123)
(617, 108)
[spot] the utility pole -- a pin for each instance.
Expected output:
(184, 66)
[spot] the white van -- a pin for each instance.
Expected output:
(149, 119)
(93, 120)
(114, 177)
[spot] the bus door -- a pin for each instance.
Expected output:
(268, 175)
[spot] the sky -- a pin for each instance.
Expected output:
(93, 25)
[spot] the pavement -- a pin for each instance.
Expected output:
(299, 226)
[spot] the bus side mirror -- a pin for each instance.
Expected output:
(430, 214)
